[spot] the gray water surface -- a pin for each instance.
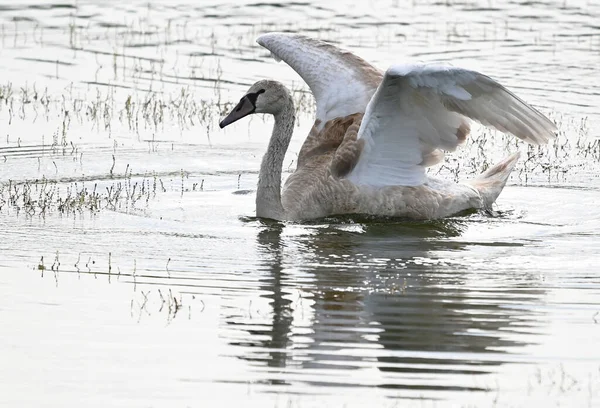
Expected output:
(134, 273)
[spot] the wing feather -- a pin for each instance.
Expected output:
(341, 82)
(419, 109)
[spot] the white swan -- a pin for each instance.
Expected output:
(376, 133)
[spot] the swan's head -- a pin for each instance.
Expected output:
(265, 96)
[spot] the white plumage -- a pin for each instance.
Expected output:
(341, 82)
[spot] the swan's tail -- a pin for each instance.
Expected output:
(492, 181)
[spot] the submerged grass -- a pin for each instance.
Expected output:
(573, 153)
(147, 301)
(567, 159)
(43, 196)
(135, 112)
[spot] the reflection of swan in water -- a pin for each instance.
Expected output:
(276, 336)
(379, 298)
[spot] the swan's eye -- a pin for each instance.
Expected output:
(260, 91)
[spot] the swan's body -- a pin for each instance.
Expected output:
(376, 133)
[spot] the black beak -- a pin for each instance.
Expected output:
(244, 108)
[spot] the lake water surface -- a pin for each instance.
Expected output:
(133, 272)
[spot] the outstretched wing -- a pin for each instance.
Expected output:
(341, 82)
(419, 109)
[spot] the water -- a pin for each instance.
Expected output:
(133, 272)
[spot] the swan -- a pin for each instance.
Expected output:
(375, 133)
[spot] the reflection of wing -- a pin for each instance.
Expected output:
(341, 82)
(419, 109)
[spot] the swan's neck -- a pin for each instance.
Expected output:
(268, 194)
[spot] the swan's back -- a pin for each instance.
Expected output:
(328, 153)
